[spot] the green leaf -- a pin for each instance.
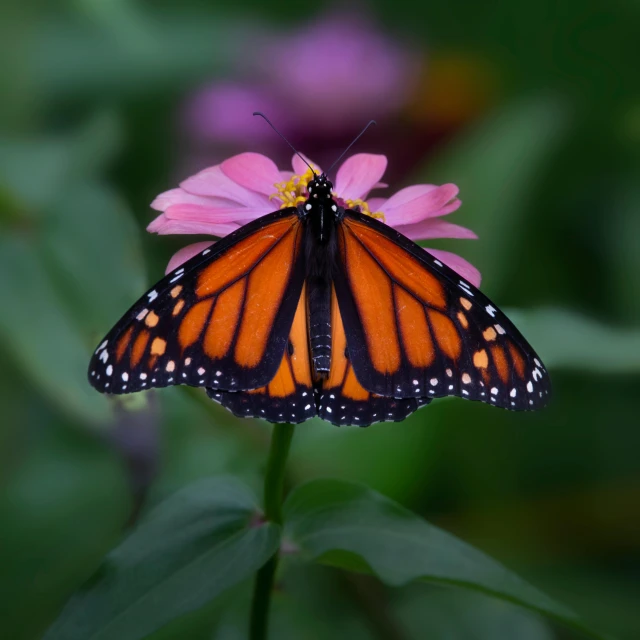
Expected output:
(192, 547)
(70, 260)
(42, 335)
(349, 526)
(36, 172)
(130, 52)
(196, 444)
(457, 615)
(497, 166)
(387, 458)
(91, 246)
(64, 499)
(621, 235)
(569, 340)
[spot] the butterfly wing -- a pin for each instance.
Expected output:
(289, 395)
(415, 328)
(342, 400)
(220, 320)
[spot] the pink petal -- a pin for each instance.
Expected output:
(414, 204)
(375, 204)
(180, 196)
(435, 228)
(213, 182)
(452, 206)
(458, 264)
(299, 167)
(208, 215)
(253, 171)
(165, 226)
(186, 253)
(359, 174)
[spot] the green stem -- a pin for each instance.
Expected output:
(273, 493)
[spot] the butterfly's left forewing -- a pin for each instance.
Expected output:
(415, 328)
(221, 320)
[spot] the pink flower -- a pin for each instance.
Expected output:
(224, 197)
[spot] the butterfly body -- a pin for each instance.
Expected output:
(320, 215)
(316, 310)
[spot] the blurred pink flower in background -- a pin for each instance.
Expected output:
(334, 75)
(319, 83)
(220, 199)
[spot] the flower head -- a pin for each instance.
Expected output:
(222, 198)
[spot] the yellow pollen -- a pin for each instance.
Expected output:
(294, 192)
(363, 207)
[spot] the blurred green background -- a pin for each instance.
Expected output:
(531, 107)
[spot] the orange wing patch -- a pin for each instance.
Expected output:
(481, 359)
(265, 290)
(400, 266)
(193, 323)
(343, 400)
(427, 331)
(139, 347)
(123, 343)
(500, 360)
(224, 321)
(446, 334)
(221, 320)
(288, 397)
(241, 259)
(416, 336)
(518, 360)
(374, 299)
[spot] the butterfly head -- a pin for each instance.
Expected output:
(320, 188)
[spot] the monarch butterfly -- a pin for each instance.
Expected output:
(318, 310)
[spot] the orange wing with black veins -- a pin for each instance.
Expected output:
(414, 328)
(342, 400)
(221, 320)
(289, 395)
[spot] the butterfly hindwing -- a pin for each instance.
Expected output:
(288, 397)
(341, 398)
(220, 320)
(415, 328)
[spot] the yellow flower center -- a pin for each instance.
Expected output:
(294, 192)
(363, 207)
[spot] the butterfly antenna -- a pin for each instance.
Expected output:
(351, 145)
(259, 113)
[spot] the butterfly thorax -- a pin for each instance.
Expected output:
(320, 214)
(320, 210)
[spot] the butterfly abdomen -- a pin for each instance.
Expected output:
(319, 305)
(321, 255)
